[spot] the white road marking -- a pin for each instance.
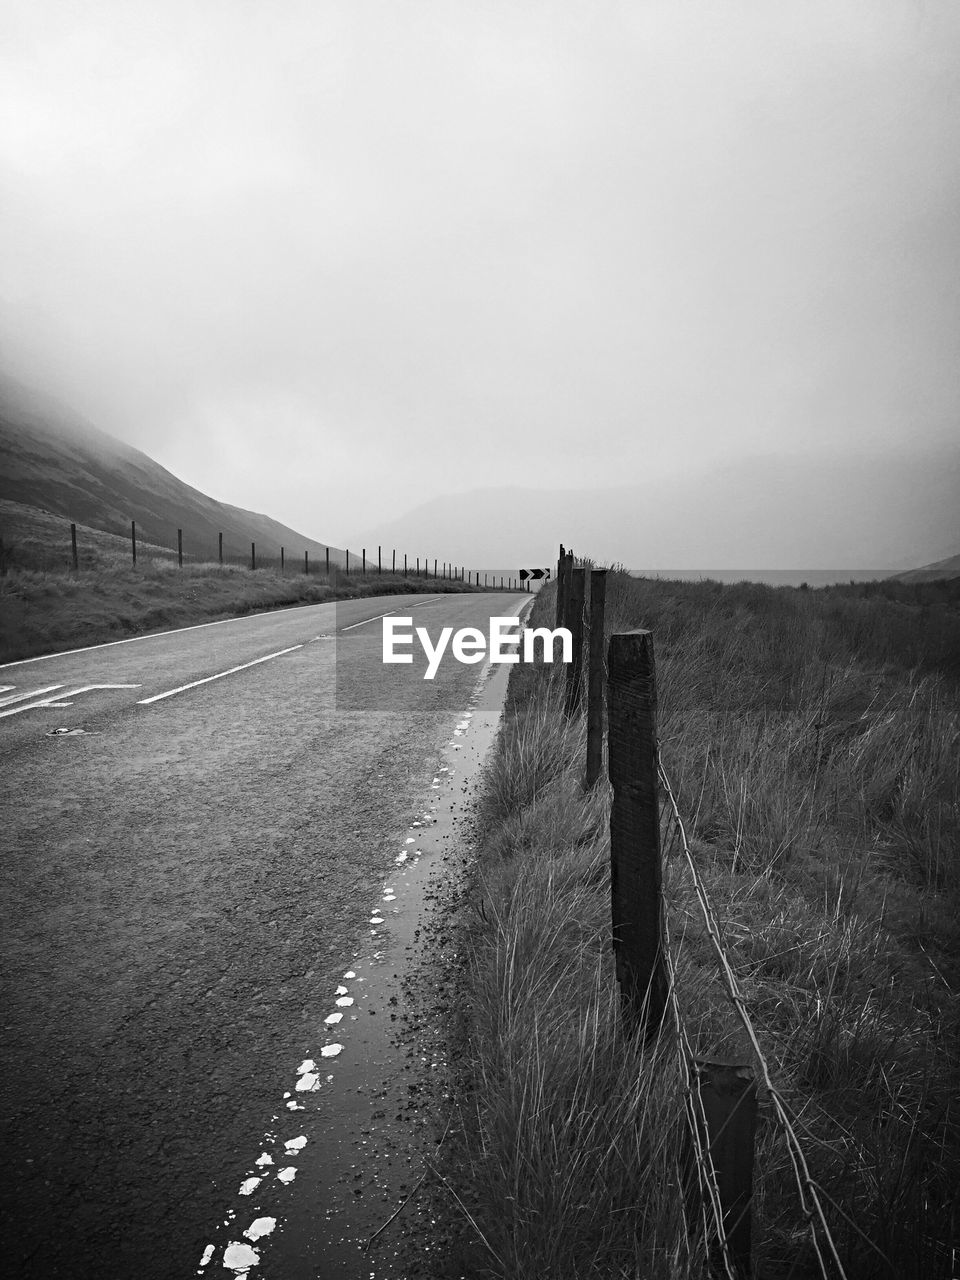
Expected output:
(143, 702)
(420, 603)
(33, 693)
(58, 701)
(354, 625)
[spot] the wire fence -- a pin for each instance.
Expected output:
(720, 1100)
(807, 1190)
(51, 544)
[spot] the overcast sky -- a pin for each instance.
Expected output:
(329, 260)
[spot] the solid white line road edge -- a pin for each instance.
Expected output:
(144, 702)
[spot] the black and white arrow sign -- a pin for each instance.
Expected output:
(534, 574)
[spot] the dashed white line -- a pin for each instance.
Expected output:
(143, 702)
(354, 625)
(418, 605)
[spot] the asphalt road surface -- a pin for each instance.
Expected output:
(187, 867)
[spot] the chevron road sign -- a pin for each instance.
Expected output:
(534, 574)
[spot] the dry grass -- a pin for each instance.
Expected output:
(818, 765)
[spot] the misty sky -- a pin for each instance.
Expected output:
(329, 260)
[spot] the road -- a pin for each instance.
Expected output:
(188, 869)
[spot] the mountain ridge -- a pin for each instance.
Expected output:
(56, 461)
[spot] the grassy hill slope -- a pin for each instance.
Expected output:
(55, 462)
(936, 572)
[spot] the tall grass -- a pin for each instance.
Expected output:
(818, 766)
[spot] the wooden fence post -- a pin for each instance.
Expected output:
(306, 562)
(180, 548)
(363, 563)
(724, 1112)
(404, 564)
(346, 563)
(328, 562)
(281, 559)
(635, 828)
(73, 546)
(220, 547)
(379, 560)
(598, 596)
(253, 555)
(574, 600)
(133, 540)
(563, 576)
(393, 567)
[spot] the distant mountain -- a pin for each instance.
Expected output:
(55, 461)
(949, 568)
(882, 512)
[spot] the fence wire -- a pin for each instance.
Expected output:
(810, 1204)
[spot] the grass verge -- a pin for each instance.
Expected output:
(818, 767)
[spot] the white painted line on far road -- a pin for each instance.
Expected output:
(418, 605)
(143, 702)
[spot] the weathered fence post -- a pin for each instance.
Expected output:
(404, 564)
(180, 548)
(133, 540)
(574, 600)
(379, 560)
(281, 559)
(73, 546)
(563, 575)
(327, 561)
(363, 564)
(220, 547)
(253, 555)
(306, 562)
(434, 568)
(393, 567)
(635, 827)
(418, 566)
(724, 1112)
(346, 563)
(598, 596)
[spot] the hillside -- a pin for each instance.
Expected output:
(53, 461)
(940, 569)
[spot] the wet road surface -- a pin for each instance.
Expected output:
(190, 873)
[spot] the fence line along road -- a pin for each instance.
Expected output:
(140, 550)
(719, 1099)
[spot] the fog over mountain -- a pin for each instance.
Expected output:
(333, 261)
(890, 512)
